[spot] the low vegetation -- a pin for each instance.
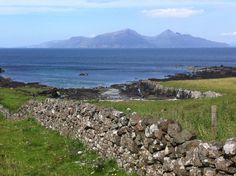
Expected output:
(192, 114)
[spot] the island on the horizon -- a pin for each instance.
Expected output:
(129, 38)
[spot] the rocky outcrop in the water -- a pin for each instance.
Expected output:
(148, 147)
(2, 70)
(9, 83)
(205, 73)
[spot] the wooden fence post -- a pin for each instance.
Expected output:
(214, 121)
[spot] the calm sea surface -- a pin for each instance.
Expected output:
(62, 67)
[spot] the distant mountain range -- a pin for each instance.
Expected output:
(131, 39)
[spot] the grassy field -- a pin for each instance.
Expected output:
(14, 98)
(192, 114)
(26, 148)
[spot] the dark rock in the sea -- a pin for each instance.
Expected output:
(7, 82)
(2, 70)
(83, 74)
(205, 73)
(180, 76)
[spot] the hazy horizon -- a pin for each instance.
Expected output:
(25, 23)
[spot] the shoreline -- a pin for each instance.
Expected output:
(125, 91)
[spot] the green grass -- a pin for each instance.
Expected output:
(192, 114)
(13, 98)
(224, 85)
(26, 148)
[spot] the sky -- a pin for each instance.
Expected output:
(28, 22)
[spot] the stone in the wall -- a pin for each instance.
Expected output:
(230, 147)
(209, 171)
(183, 136)
(223, 164)
(195, 171)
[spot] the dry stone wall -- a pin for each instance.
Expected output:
(4, 111)
(155, 88)
(161, 148)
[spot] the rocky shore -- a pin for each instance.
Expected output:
(204, 73)
(143, 89)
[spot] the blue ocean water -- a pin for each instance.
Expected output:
(62, 67)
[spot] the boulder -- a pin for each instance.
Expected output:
(223, 164)
(209, 171)
(230, 147)
(124, 121)
(159, 156)
(194, 171)
(173, 129)
(2, 70)
(183, 136)
(182, 149)
(164, 124)
(196, 94)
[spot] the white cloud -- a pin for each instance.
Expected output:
(229, 34)
(172, 12)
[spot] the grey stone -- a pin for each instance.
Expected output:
(230, 147)
(223, 164)
(192, 158)
(168, 164)
(196, 94)
(209, 172)
(173, 129)
(194, 171)
(183, 136)
(187, 146)
(118, 114)
(124, 121)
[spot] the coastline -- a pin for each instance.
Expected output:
(125, 91)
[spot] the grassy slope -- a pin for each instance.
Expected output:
(14, 98)
(26, 148)
(192, 114)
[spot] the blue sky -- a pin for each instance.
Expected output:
(26, 22)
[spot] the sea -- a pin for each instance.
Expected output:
(87, 68)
